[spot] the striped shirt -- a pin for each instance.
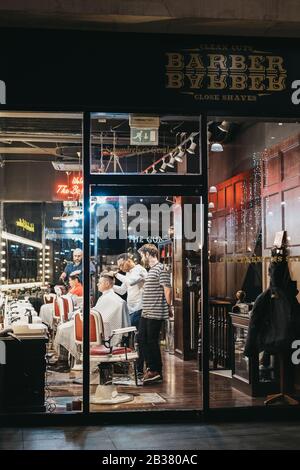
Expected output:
(154, 301)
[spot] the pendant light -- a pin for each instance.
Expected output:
(163, 166)
(180, 155)
(216, 147)
(192, 147)
(171, 161)
(224, 126)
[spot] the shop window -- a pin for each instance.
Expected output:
(253, 239)
(40, 237)
(147, 253)
(143, 144)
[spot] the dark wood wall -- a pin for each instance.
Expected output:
(234, 234)
(281, 201)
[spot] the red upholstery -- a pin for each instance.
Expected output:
(56, 309)
(66, 309)
(79, 328)
(103, 351)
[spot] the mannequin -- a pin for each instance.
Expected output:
(274, 322)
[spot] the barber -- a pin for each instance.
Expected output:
(74, 267)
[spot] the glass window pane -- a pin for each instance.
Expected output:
(254, 196)
(146, 253)
(143, 144)
(40, 231)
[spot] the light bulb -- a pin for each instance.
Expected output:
(213, 189)
(216, 147)
(211, 205)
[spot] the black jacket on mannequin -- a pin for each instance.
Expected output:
(275, 318)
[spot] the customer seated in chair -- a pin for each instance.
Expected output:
(75, 285)
(113, 309)
(114, 314)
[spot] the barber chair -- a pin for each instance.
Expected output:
(49, 298)
(104, 356)
(66, 306)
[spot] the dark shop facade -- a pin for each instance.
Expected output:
(149, 229)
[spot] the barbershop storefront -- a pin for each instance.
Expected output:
(149, 191)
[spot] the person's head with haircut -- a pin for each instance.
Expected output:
(74, 280)
(149, 254)
(126, 262)
(77, 256)
(120, 260)
(106, 281)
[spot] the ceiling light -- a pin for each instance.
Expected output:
(224, 126)
(209, 215)
(192, 147)
(171, 162)
(211, 205)
(179, 155)
(216, 147)
(213, 189)
(280, 124)
(163, 167)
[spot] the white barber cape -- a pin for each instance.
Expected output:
(47, 313)
(65, 336)
(114, 313)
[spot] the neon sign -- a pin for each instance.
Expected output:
(71, 190)
(25, 225)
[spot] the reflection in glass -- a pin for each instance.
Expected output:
(130, 143)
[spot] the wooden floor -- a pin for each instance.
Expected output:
(181, 389)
